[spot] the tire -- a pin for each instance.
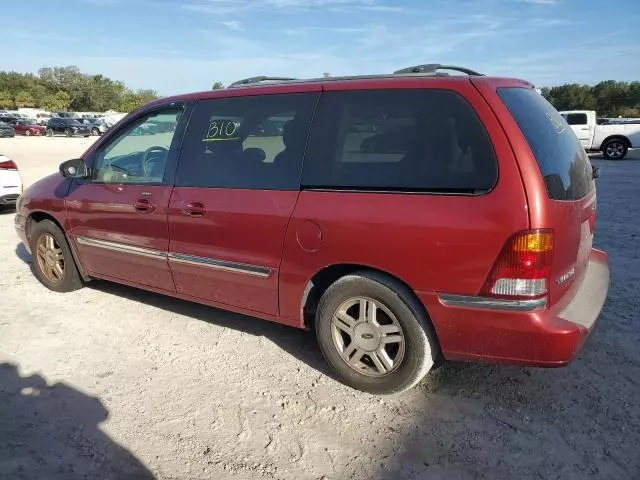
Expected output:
(27, 133)
(49, 132)
(70, 279)
(615, 149)
(68, 132)
(95, 131)
(419, 346)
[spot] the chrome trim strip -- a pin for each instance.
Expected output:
(122, 248)
(466, 301)
(234, 267)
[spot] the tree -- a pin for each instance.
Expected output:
(24, 99)
(132, 100)
(6, 100)
(56, 102)
(217, 86)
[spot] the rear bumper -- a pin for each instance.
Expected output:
(524, 333)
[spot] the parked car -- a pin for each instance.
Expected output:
(42, 119)
(67, 126)
(612, 137)
(10, 183)
(6, 130)
(27, 128)
(97, 126)
(473, 242)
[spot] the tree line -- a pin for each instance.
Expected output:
(66, 88)
(609, 99)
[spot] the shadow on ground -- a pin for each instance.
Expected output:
(299, 343)
(51, 431)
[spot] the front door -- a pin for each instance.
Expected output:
(235, 190)
(118, 219)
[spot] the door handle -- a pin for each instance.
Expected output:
(194, 209)
(144, 205)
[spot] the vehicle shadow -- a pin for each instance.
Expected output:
(22, 254)
(299, 343)
(51, 431)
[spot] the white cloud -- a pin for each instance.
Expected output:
(228, 7)
(542, 2)
(233, 25)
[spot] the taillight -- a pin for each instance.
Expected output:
(523, 267)
(8, 165)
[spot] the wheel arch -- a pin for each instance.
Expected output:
(616, 137)
(324, 278)
(37, 216)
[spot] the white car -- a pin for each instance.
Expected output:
(612, 139)
(10, 183)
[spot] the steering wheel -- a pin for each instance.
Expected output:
(151, 156)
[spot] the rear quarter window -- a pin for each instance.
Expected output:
(415, 140)
(564, 164)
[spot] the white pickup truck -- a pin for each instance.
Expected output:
(612, 139)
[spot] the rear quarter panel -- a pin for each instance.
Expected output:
(433, 243)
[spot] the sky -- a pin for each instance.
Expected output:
(178, 46)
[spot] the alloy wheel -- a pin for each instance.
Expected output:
(50, 258)
(368, 336)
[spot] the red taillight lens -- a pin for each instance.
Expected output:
(8, 165)
(523, 267)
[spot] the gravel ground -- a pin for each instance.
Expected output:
(110, 382)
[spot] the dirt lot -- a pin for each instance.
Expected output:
(112, 383)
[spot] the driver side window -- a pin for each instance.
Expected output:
(138, 154)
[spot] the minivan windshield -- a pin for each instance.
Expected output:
(564, 164)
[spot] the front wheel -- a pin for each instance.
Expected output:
(95, 131)
(53, 263)
(615, 149)
(27, 133)
(374, 334)
(68, 132)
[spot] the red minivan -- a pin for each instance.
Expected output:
(406, 218)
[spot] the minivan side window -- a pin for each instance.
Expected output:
(576, 118)
(414, 140)
(252, 142)
(138, 154)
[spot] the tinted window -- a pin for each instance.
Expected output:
(139, 153)
(563, 162)
(414, 140)
(247, 142)
(576, 118)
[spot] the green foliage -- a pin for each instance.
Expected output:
(608, 98)
(66, 88)
(217, 86)
(56, 102)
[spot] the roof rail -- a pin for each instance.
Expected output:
(432, 68)
(253, 80)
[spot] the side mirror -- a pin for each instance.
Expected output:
(75, 168)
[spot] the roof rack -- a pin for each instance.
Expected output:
(261, 79)
(432, 68)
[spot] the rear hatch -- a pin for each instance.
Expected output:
(569, 205)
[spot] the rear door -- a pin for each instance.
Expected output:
(579, 123)
(568, 206)
(236, 186)
(118, 219)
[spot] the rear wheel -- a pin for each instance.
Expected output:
(615, 149)
(49, 132)
(68, 132)
(374, 334)
(27, 133)
(53, 263)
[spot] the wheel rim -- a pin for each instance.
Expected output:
(615, 149)
(368, 336)
(27, 133)
(50, 258)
